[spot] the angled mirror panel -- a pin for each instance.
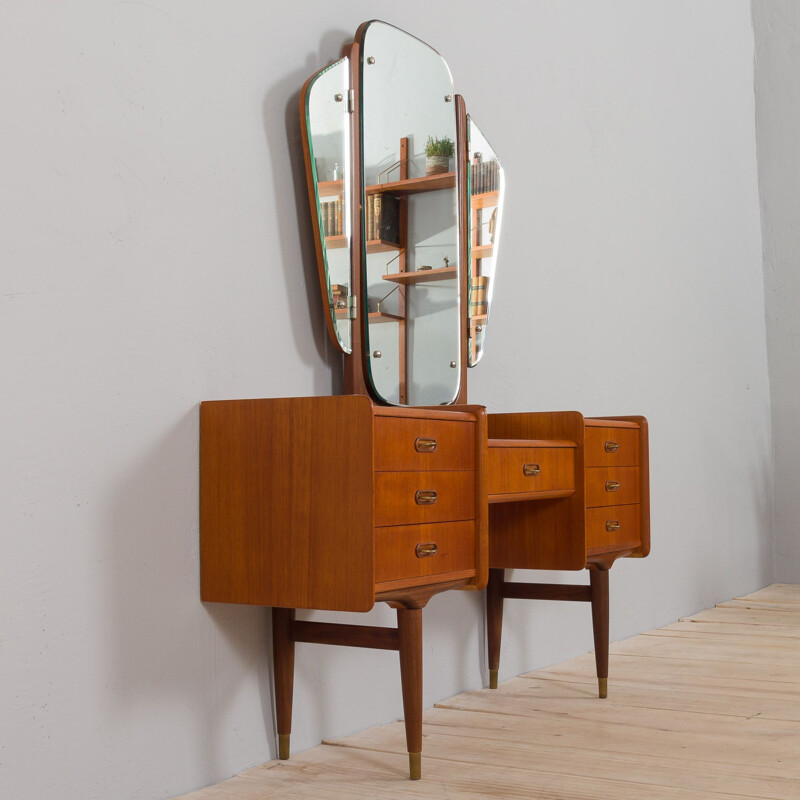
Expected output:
(411, 219)
(327, 125)
(486, 185)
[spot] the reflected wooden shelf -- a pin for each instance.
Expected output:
(330, 188)
(422, 276)
(428, 183)
(337, 242)
(482, 251)
(382, 316)
(374, 316)
(485, 200)
(373, 245)
(381, 246)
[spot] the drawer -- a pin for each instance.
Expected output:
(611, 447)
(611, 486)
(413, 551)
(408, 498)
(530, 469)
(613, 528)
(423, 444)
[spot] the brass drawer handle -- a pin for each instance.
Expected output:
(612, 525)
(530, 470)
(425, 497)
(612, 447)
(422, 445)
(612, 486)
(426, 550)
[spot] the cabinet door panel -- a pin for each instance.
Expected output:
(613, 528)
(612, 447)
(423, 444)
(417, 550)
(612, 486)
(407, 498)
(530, 469)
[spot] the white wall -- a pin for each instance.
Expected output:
(777, 38)
(157, 251)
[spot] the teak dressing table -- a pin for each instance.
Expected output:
(398, 489)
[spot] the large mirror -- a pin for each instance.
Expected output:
(411, 256)
(406, 198)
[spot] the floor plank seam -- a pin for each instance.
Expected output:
(567, 715)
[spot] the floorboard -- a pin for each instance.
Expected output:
(707, 708)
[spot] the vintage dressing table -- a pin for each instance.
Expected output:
(399, 489)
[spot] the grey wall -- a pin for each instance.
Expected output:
(777, 38)
(157, 252)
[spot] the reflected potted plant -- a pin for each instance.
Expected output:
(438, 153)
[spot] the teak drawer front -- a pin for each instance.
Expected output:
(611, 447)
(611, 486)
(423, 444)
(403, 498)
(548, 468)
(613, 527)
(413, 551)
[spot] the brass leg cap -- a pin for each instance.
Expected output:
(493, 678)
(602, 684)
(283, 746)
(415, 766)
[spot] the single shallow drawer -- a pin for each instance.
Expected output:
(611, 447)
(611, 486)
(513, 469)
(406, 498)
(413, 551)
(423, 444)
(613, 528)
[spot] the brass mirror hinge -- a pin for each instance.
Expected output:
(427, 549)
(351, 101)
(352, 307)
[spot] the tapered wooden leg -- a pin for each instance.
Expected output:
(598, 579)
(283, 669)
(494, 621)
(409, 629)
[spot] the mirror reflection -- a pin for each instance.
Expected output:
(328, 149)
(410, 219)
(485, 216)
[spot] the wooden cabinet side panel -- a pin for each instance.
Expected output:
(286, 502)
(644, 486)
(481, 498)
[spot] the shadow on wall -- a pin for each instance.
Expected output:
(294, 218)
(172, 658)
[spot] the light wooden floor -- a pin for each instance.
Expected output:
(708, 707)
